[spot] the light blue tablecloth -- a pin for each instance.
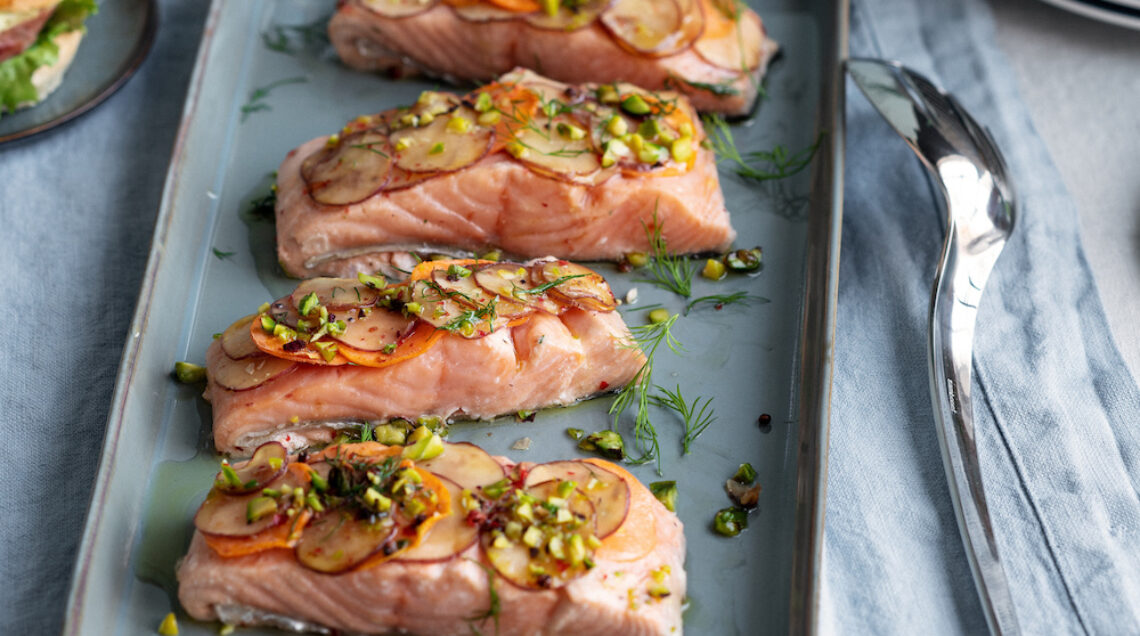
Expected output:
(1057, 409)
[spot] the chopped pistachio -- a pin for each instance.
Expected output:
(333, 140)
(666, 493)
(608, 444)
(651, 153)
(169, 625)
(577, 549)
(458, 124)
(550, 7)
(390, 434)
(526, 511)
(637, 259)
(658, 591)
(489, 118)
(635, 105)
(414, 308)
(328, 350)
(608, 94)
(436, 149)
(501, 542)
(434, 423)
(259, 508)
(713, 270)
(570, 131)
(226, 630)
(557, 547)
(314, 503)
(730, 521)
(658, 315)
(516, 149)
(650, 128)
(263, 308)
(457, 271)
(408, 120)
(425, 119)
(389, 348)
(532, 537)
(575, 433)
(375, 282)
(320, 484)
(681, 149)
(308, 304)
(268, 324)
(496, 490)
(402, 144)
(483, 103)
(744, 260)
(189, 373)
(565, 488)
(426, 447)
(686, 129)
(617, 126)
(493, 255)
(377, 501)
(746, 474)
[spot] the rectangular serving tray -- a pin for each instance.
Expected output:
(211, 263)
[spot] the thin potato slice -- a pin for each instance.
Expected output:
(569, 19)
(647, 27)
(606, 490)
(398, 8)
(444, 145)
(267, 464)
(225, 516)
(376, 330)
(450, 536)
(558, 146)
(338, 541)
(466, 464)
(336, 293)
(547, 564)
(349, 171)
(513, 283)
(735, 44)
(236, 342)
(580, 285)
(249, 372)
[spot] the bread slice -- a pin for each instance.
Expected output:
(48, 78)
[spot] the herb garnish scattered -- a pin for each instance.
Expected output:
(673, 272)
(494, 607)
(696, 416)
(290, 38)
(762, 165)
(720, 89)
(256, 101)
(649, 338)
(720, 300)
(222, 255)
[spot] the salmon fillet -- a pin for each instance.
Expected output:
(440, 42)
(500, 202)
(446, 597)
(553, 356)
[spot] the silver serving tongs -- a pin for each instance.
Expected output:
(980, 208)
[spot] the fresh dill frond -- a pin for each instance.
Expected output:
(220, 255)
(291, 38)
(365, 433)
(696, 416)
(494, 606)
(761, 165)
(673, 272)
(649, 338)
(257, 96)
(720, 300)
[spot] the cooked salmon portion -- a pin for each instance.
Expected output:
(552, 170)
(459, 339)
(713, 51)
(633, 581)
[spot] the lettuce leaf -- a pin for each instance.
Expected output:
(16, 72)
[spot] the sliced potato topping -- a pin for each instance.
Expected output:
(399, 8)
(348, 170)
(450, 142)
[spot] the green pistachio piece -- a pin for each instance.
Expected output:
(635, 105)
(189, 373)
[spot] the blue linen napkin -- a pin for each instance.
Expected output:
(77, 210)
(1056, 407)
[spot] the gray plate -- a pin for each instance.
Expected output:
(117, 41)
(772, 357)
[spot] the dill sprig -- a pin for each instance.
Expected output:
(673, 272)
(761, 165)
(256, 101)
(720, 300)
(649, 338)
(695, 416)
(494, 606)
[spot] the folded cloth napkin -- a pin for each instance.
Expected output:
(1056, 408)
(77, 207)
